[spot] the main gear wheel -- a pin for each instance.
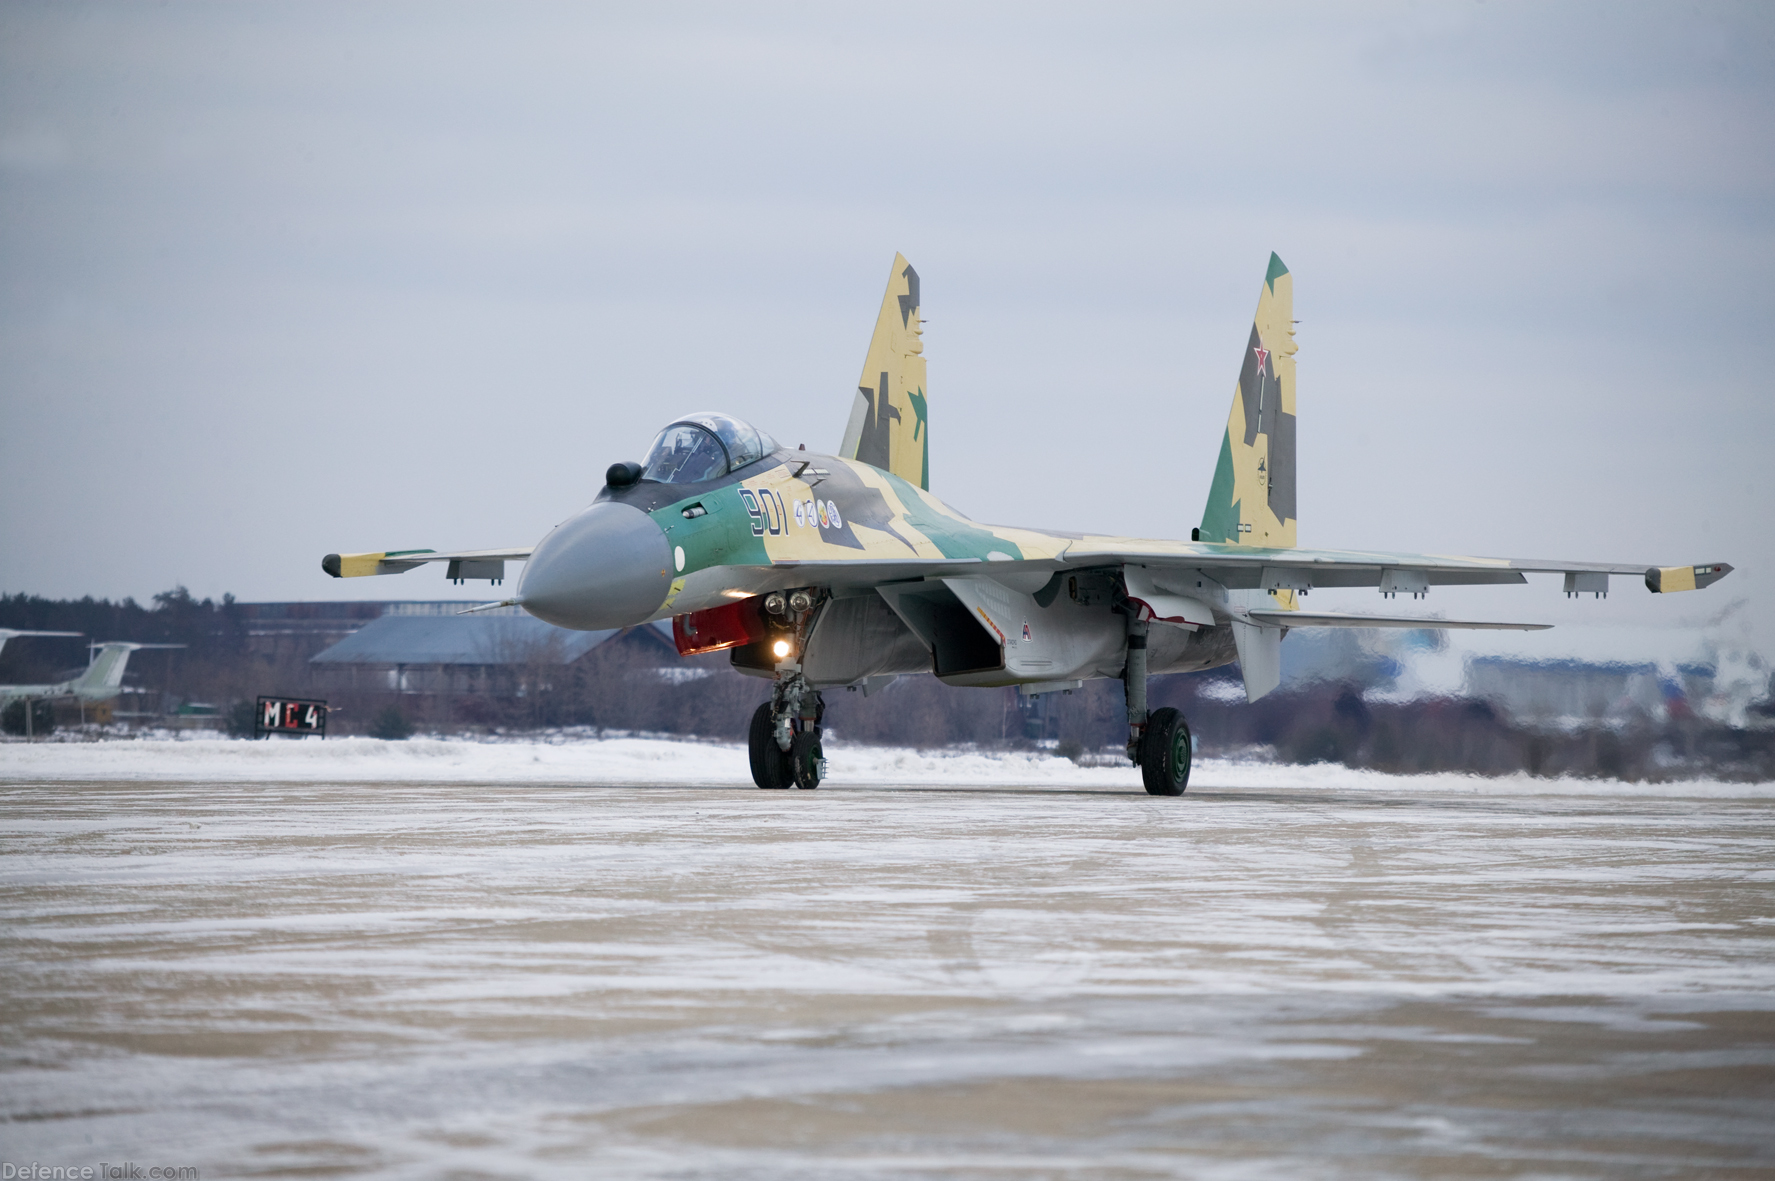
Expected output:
(1165, 753)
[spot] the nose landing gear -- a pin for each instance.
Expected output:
(784, 739)
(770, 764)
(807, 761)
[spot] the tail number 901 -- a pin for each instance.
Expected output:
(769, 515)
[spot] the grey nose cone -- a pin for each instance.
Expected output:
(608, 567)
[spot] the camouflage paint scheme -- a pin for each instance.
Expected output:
(888, 427)
(865, 520)
(1251, 500)
(753, 539)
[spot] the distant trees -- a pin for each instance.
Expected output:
(241, 719)
(636, 682)
(391, 725)
(204, 625)
(213, 634)
(42, 717)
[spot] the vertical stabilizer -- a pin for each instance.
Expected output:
(1252, 499)
(888, 426)
(105, 674)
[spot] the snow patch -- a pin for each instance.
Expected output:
(660, 761)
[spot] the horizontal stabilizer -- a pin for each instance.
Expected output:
(7, 633)
(1293, 619)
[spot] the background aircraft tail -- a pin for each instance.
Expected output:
(105, 673)
(888, 426)
(1251, 501)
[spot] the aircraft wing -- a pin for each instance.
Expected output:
(1293, 619)
(1243, 568)
(1176, 565)
(476, 563)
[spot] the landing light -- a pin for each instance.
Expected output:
(782, 649)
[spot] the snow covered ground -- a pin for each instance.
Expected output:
(659, 761)
(617, 959)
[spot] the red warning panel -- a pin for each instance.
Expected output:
(727, 626)
(287, 715)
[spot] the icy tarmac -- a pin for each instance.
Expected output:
(618, 960)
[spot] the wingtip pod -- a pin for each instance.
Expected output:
(1252, 498)
(364, 565)
(889, 425)
(1664, 580)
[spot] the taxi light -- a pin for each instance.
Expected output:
(782, 649)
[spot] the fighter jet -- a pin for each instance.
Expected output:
(817, 571)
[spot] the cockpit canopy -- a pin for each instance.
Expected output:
(704, 446)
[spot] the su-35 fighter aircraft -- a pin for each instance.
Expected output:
(818, 571)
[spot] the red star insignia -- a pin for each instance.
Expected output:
(1263, 356)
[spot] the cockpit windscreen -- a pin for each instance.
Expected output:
(704, 446)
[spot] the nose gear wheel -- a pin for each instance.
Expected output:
(770, 764)
(806, 759)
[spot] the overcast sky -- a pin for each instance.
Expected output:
(284, 279)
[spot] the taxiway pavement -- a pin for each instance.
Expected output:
(1270, 977)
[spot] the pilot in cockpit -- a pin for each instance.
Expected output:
(704, 446)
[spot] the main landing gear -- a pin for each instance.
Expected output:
(1158, 743)
(784, 739)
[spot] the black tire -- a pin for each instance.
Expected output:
(1165, 753)
(770, 766)
(804, 758)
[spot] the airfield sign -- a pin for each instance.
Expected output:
(287, 715)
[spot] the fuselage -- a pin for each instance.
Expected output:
(59, 689)
(677, 548)
(651, 550)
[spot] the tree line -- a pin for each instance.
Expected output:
(635, 683)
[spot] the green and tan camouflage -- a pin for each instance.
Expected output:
(1251, 498)
(889, 427)
(897, 581)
